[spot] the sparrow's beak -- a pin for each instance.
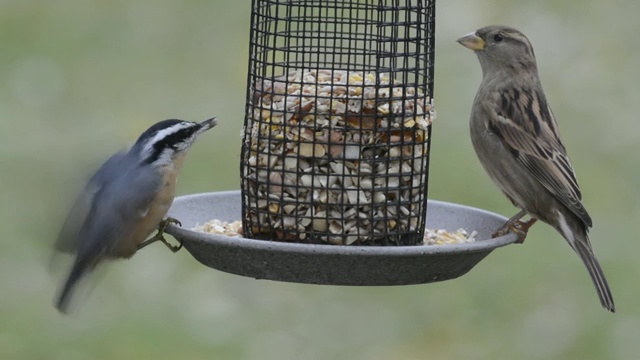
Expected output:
(473, 42)
(207, 124)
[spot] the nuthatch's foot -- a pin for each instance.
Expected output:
(516, 226)
(160, 235)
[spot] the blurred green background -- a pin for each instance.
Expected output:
(80, 79)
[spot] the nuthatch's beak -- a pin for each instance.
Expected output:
(207, 124)
(473, 42)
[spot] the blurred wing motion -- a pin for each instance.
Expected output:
(94, 231)
(68, 239)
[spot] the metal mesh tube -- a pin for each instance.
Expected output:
(338, 121)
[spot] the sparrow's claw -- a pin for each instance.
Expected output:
(516, 226)
(160, 235)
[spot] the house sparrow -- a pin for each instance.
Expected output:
(516, 138)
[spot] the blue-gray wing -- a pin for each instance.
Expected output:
(117, 208)
(114, 211)
(67, 240)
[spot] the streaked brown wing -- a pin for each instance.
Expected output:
(536, 144)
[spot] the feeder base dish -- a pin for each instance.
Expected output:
(335, 264)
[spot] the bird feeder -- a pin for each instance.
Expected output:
(335, 151)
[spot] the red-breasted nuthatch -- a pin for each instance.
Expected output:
(126, 200)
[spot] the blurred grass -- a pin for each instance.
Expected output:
(79, 79)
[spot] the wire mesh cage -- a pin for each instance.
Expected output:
(338, 121)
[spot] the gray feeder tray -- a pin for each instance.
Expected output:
(335, 264)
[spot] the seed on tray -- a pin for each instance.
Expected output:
(431, 237)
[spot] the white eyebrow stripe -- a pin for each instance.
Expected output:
(164, 133)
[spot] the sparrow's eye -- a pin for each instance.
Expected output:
(498, 37)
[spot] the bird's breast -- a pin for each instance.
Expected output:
(151, 218)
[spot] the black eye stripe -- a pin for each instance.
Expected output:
(173, 139)
(170, 141)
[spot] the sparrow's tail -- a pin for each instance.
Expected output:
(577, 237)
(596, 273)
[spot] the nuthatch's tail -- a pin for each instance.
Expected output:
(62, 303)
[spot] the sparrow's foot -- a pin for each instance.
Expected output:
(516, 226)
